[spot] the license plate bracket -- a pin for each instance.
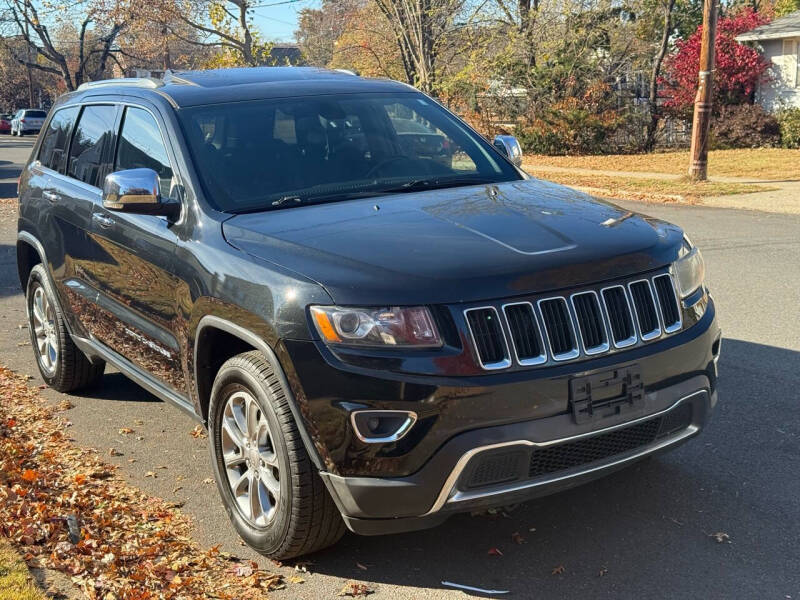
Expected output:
(606, 394)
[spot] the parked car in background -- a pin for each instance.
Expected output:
(27, 120)
(381, 319)
(5, 123)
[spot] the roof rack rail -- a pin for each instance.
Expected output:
(171, 76)
(143, 82)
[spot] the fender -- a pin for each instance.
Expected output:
(258, 343)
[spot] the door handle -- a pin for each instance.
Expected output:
(102, 220)
(51, 196)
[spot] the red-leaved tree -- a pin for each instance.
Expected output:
(739, 68)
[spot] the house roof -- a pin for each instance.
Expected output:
(785, 27)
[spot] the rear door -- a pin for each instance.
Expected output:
(72, 195)
(136, 312)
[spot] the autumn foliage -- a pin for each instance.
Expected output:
(739, 68)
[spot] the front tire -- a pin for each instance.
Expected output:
(62, 365)
(271, 491)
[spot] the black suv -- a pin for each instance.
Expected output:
(379, 317)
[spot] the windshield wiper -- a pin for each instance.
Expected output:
(285, 199)
(439, 183)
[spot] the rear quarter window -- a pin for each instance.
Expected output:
(52, 154)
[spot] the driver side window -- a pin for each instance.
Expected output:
(141, 146)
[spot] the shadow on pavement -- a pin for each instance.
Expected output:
(649, 526)
(116, 387)
(9, 286)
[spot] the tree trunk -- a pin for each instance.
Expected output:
(655, 109)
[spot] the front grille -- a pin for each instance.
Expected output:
(645, 306)
(487, 333)
(580, 324)
(558, 325)
(551, 459)
(619, 316)
(525, 334)
(590, 322)
(668, 302)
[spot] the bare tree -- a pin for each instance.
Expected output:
(668, 7)
(94, 45)
(419, 26)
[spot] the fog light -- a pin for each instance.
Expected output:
(382, 426)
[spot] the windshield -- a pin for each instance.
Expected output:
(284, 152)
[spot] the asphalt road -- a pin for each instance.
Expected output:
(641, 533)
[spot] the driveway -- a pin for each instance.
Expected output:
(645, 532)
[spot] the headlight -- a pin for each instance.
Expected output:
(690, 269)
(411, 326)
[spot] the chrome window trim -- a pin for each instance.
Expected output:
(575, 352)
(655, 333)
(677, 326)
(604, 347)
(527, 362)
(447, 495)
(634, 338)
(495, 366)
(411, 419)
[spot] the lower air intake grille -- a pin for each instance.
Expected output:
(558, 325)
(668, 302)
(496, 468)
(574, 454)
(487, 333)
(645, 309)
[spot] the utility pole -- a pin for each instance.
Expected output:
(28, 57)
(698, 167)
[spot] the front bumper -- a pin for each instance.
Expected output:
(499, 422)
(459, 477)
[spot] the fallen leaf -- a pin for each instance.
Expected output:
(125, 430)
(517, 538)
(296, 579)
(559, 570)
(721, 537)
(354, 589)
(198, 432)
(150, 474)
(80, 479)
(208, 480)
(360, 566)
(29, 475)
(495, 552)
(603, 572)
(114, 452)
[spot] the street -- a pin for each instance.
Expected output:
(644, 532)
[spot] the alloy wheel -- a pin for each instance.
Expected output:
(251, 462)
(44, 329)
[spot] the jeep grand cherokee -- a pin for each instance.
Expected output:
(378, 316)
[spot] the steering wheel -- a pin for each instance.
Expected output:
(385, 162)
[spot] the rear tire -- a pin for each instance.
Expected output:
(282, 508)
(62, 365)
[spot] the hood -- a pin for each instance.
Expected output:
(457, 245)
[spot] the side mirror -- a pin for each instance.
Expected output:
(137, 191)
(509, 146)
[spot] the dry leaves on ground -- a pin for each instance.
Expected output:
(65, 509)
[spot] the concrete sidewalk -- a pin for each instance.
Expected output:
(784, 199)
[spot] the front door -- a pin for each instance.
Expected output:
(136, 303)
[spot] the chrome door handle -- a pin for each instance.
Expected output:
(103, 220)
(51, 196)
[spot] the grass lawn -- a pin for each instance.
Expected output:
(764, 163)
(15, 580)
(646, 188)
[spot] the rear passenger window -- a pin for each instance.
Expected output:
(52, 154)
(141, 146)
(90, 141)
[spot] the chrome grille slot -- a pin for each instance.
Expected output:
(488, 337)
(526, 337)
(591, 324)
(668, 302)
(558, 327)
(620, 319)
(645, 307)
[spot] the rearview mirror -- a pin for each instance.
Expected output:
(509, 146)
(137, 191)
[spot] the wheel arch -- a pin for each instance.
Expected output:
(212, 328)
(30, 253)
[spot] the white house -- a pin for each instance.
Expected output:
(780, 44)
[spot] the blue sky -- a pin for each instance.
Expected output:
(278, 22)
